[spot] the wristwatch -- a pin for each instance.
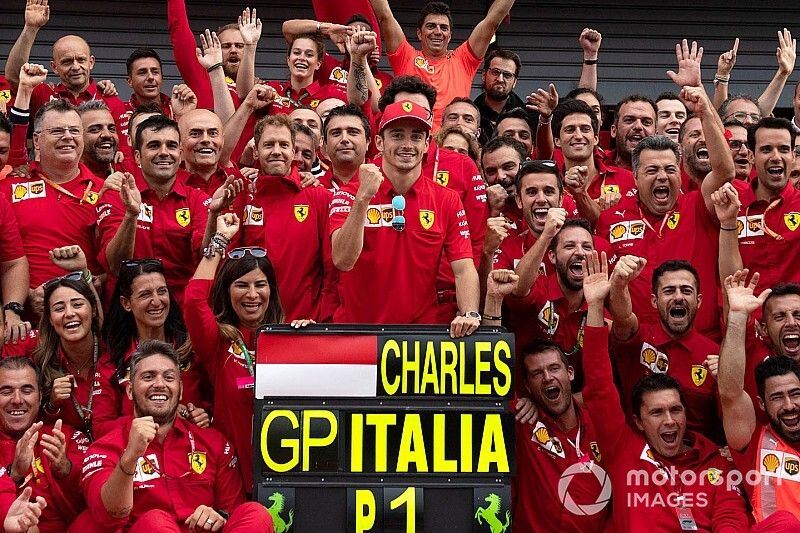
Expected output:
(14, 307)
(473, 314)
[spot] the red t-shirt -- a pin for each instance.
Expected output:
(688, 232)
(290, 222)
(50, 217)
(394, 278)
(608, 178)
(170, 229)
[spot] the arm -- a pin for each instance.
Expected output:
(361, 85)
(528, 267)
(544, 102)
(590, 43)
(335, 32)
(37, 14)
(625, 322)
(738, 412)
(122, 244)
(209, 56)
(259, 97)
(482, 35)
(391, 32)
(222, 200)
(727, 205)
(725, 65)
(467, 285)
(576, 181)
(183, 44)
(250, 28)
(496, 231)
(786, 53)
(117, 491)
(499, 284)
(348, 241)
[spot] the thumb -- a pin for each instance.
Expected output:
(190, 406)
(671, 75)
(26, 495)
(58, 424)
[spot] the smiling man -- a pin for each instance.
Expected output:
(157, 472)
(696, 162)
(672, 346)
(202, 140)
(635, 119)
(671, 114)
(100, 140)
(742, 156)
(145, 78)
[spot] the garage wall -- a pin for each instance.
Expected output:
(638, 43)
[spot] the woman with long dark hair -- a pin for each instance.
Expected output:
(142, 308)
(244, 296)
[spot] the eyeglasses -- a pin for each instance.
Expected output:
(497, 73)
(62, 132)
(255, 251)
(136, 263)
(736, 145)
(73, 276)
(741, 116)
(398, 215)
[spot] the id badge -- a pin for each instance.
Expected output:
(686, 519)
(248, 382)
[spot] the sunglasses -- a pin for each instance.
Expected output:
(398, 208)
(135, 263)
(73, 276)
(255, 251)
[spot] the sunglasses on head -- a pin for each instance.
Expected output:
(73, 276)
(135, 263)
(255, 251)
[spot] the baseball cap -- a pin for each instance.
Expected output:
(406, 109)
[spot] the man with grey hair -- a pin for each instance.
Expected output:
(100, 140)
(660, 222)
(181, 474)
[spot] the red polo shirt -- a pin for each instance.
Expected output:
(688, 232)
(214, 182)
(49, 217)
(170, 229)
(46, 92)
(10, 240)
(290, 222)
(394, 278)
(193, 466)
(769, 234)
(608, 178)
(130, 106)
(652, 350)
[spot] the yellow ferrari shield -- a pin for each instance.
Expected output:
(426, 218)
(300, 212)
(595, 452)
(183, 216)
(672, 221)
(407, 107)
(91, 197)
(611, 188)
(197, 460)
(699, 373)
(792, 220)
(443, 178)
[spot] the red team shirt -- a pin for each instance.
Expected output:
(608, 179)
(394, 278)
(131, 105)
(10, 240)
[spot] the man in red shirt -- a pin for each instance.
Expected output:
(736, 133)
(660, 222)
(55, 205)
(501, 159)
(769, 216)
(288, 220)
(634, 120)
(671, 114)
(158, 472)
(100, 140)
(202, 141)
(145, 79)
(769, 449)
(46, 458)
(388, 235)
(662, 473)
(587, 177)
(672, 346)
(346, 135)
(157, 214)
(450, 72)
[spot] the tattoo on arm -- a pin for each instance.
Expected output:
(361, 82)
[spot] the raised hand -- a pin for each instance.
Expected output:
(595, 281)
(23, 515)
(543, 102)
(54, 448)
(370, 178)
(107, 87)
(786, 52)
(210, 51)
(741, 299)
(727, 60)
(23, 454)
(361, 44)
(260, 96)
(726, 205)
(31, 75)
(130, 195)
(496, 232)
(590, 43)
(227, 225)
(37, 13)
(576, 179)
(223, 197)
(501, 283)
(62, 389)
(688, 65)
(70, 258)
(183, 100)
(627, 269)
(696, 100)
(496, 197)
(143, 431)
(554, 221)
(250, 26)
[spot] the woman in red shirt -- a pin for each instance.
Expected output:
(244, 296)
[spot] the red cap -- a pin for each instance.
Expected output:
(406, 109)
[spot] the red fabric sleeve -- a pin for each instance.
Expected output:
(109, 218)
(467, 57)
(340, 209)
(10, 239)
(202, 325)
(120, 114)
(98, 464)
(183, 49)
(600, 395)
(402, 59)
(8, 493)
(228, 485)
(19, 149)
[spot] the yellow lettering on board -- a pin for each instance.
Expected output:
(412, 445)
(440, 462)
(365, 510)
(381, 421)
(481, 367)
(429, 374)
(291, 444)
(493, 445)
(317, 442)
(390, 346)
(448, 367)
(502, 354)
(466, 442)
(357, 442)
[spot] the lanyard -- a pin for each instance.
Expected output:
(552, 325)
(663, 221)
(85, 412)
(766, 228)
(62, 190)
(577, 443)
(247, 357)
(435, 164)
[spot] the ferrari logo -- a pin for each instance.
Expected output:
(91, 197)
(443, 178)
(714, 476)
(426, 218)
(5, 96)
(611, 189)
(313, 104)
(792, 220)
(300, 212)
(407, 107)
(595, 452)
(672, 221)
(183, 216)
(197, 460)
(699, 373)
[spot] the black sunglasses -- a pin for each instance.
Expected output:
(73, 276)
(255, 251)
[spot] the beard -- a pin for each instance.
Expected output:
(158, 417)
(497, 94)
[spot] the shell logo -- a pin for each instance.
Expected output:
(771, 462)
(739, 227)
(649, 356)
(373, 215)
(542, 435)
(20, 191)
(618, 231)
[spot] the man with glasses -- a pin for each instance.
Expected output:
(390, 229)
(158, 472)
(768, 225)
(741, 107)
(55, 206)
(736, 134)
(289, 221)
(500, 75)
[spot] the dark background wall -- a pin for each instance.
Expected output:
(638, 42)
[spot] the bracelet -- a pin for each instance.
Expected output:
(490, 317)
(51, 409)
(222, 239)
(87, 276)
(319, 26)
(721, 79)
(131, 474)
(590, 61)
(214, 66)
(728, 229)
(213, 249)
(543, 122)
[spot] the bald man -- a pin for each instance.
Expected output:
(202, 144)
